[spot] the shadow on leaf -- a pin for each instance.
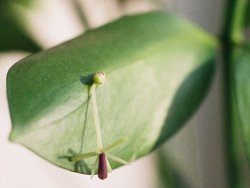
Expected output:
(185, 102)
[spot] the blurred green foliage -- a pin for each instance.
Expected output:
(12, 32)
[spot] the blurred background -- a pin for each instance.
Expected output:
(193, 158)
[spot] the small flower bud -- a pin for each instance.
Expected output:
(99, 78)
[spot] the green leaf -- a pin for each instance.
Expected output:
(26, 3)
(158, 68)
(241, 93)
(12, 34)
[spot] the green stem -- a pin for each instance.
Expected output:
(96, 117)
(238, 25)
(233, 30)
(232, 38)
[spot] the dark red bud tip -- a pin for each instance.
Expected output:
(102, 167)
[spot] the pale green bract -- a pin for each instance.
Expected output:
(157, 66)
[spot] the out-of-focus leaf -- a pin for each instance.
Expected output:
(248, 14)
(26, 3)
(247, 24)
(158, 70)
(12, 35)
(242, 92)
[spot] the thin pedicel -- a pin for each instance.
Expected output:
(101, 153)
